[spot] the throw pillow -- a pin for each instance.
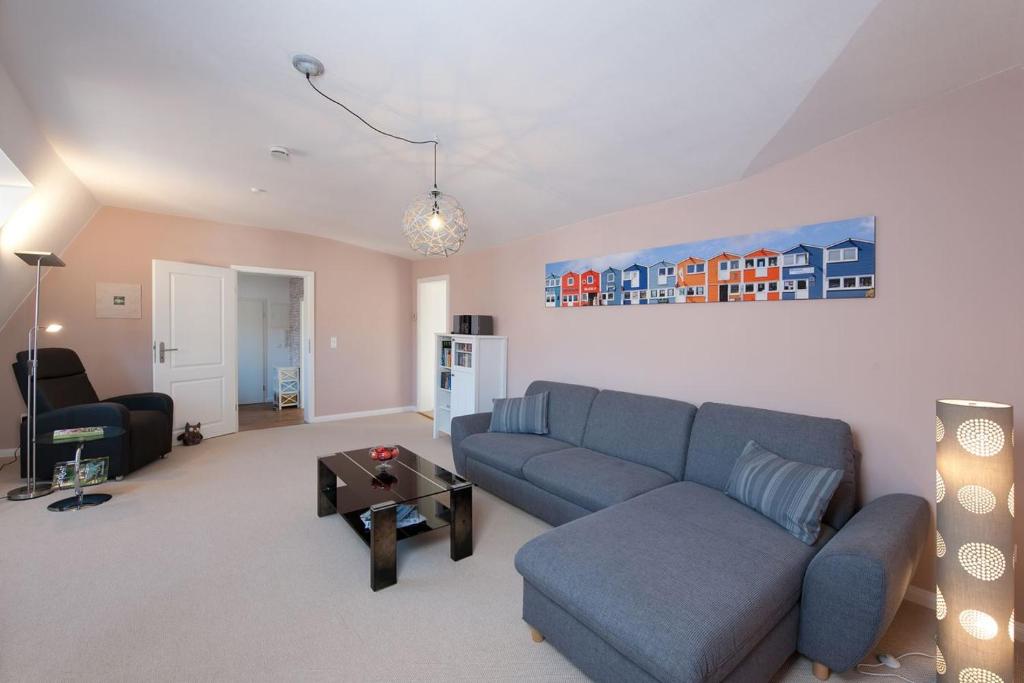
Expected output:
(791, 494)
(526, 415)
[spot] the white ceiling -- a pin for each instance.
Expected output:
(548, 112)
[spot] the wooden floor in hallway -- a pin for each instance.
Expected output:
(263, 416)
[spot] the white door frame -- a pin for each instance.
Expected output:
(447, 315)
(308, 372)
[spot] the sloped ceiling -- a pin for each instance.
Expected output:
(548, 113)
(49, 217)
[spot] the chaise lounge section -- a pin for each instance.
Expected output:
(654, 574)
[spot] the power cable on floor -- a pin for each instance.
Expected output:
(892, 663)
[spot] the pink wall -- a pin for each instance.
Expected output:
(363, 297)
(945, 183)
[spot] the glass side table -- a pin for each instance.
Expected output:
(80, 500)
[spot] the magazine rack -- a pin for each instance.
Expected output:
(76, 468)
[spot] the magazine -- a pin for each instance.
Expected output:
(77, 433)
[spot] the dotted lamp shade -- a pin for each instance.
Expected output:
(974, 541)
(442, 235)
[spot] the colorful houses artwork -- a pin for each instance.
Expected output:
(834, 260)
(661, 283)
(850, 269)
(570, 289)
(761, 275)
(724, 277)
(552, 291)
(590, 287)
(611, 287)
(802, 272)
(691, 280)
(634, 285)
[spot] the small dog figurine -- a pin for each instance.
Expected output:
(191, 436)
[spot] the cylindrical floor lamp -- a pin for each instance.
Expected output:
(33, 488)
(974, 541)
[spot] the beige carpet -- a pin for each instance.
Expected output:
(212, 565)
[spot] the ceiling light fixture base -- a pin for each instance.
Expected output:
(308, 65)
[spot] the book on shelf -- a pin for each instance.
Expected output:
(76, 433)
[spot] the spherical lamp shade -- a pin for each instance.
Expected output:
(435, 224)
(974, 541)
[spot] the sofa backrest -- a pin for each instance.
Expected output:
(647, 430)
(568, 408)
(720, 432)
(60, 382)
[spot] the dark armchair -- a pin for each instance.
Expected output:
(66, 399)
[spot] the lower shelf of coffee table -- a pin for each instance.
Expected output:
(437, 516)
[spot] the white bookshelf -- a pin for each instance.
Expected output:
(470, 374)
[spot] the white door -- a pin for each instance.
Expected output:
(252, 375)
(431, 318)
(802, 292)
(463, 392)
(194, 321)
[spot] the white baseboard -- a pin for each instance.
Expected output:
(363, 413)
(926, 598)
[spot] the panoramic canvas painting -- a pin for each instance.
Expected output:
(834, 260)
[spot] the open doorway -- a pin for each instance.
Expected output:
(273, 348)
(431, 318)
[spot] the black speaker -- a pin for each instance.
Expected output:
(472, 324)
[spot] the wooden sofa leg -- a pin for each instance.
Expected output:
(820, 671)
(537, 636)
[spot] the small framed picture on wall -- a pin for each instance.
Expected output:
(118, 300)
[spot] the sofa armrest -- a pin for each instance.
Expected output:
(463, 426)
(83, 415)
(146, 401)
(854, 586)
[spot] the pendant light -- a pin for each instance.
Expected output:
(435, 223)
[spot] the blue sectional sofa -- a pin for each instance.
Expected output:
(654, 574)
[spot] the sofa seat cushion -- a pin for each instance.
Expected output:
(590, 479)
(683, 580)
(508, 452)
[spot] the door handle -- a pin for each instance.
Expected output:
(164, 350)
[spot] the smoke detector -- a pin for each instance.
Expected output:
(307, 65)
(280, 153)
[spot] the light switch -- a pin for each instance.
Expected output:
(334, 342)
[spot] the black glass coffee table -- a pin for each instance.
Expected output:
(442, 498)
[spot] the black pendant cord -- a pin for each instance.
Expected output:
(375, 128)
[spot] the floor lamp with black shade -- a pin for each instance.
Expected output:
(33, 488)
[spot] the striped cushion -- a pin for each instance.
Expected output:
(792, 494)
(527, 415)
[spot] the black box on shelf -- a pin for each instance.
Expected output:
(472, 324)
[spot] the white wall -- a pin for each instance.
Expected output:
(50, 217)
(272, 289)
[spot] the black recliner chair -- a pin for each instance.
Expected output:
(66, 399)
